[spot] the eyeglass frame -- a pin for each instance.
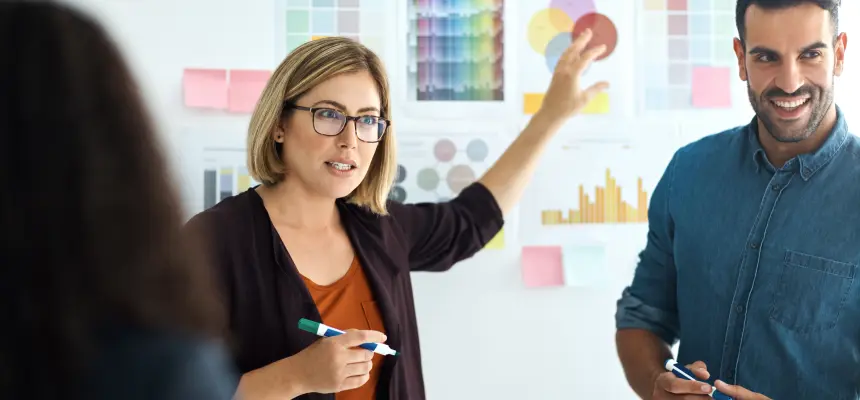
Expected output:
(347, 118)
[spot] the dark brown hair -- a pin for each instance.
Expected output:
(91, 223)
(832, 6)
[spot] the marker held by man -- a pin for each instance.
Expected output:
(684, 373)
(323, 330)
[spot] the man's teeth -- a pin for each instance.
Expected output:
(340, 166)
(790, 104)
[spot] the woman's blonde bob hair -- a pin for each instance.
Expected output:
(304, 68)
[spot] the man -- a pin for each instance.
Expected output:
(754, 236)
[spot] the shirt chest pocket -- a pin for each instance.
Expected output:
(811, 292)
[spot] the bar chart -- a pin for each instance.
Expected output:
(606, 205)
(224, 175)
(599, 188)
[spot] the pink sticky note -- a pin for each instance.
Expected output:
(245, 89)
(205, 88)
(542, 266)
(712, 87)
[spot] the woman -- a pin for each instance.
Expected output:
(102, 299)
(318, 240)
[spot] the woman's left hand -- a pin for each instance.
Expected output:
(565, 97)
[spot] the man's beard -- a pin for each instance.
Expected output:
(820, 100)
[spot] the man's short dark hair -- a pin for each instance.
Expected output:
(740, 11)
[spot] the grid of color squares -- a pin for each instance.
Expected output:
(360, 20)
(236, 91)
(685, 50)
(570, 265)
(456, 50)
(223, 182)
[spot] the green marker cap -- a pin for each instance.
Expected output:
(308, 325)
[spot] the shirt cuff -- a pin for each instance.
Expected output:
(633, 313)
(482, 206)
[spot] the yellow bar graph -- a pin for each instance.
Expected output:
(607, 207)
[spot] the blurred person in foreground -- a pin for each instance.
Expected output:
(102, 299)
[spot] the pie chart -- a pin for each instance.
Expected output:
(602, 29)
(553, 29)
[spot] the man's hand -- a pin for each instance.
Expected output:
(667, 386)
(738, 393)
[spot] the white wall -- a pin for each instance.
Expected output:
(483, 334)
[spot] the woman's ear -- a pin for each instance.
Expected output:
(278, 134)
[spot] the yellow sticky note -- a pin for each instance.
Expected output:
(532, 102)
(598, 105)
(497, 242)
(316, 37)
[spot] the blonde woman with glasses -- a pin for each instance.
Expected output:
(319, 240)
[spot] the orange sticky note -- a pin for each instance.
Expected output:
(712, 87)
(245, 89)
(205, 88)
(542, 266)
(532, 103)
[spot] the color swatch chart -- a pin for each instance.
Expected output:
(685, 54)
(360, 20)
(456, 50)
(606, 207)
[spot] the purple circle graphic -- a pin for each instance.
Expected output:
(574, 8)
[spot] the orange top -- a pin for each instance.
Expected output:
(348, 304)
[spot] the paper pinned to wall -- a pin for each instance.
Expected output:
(497, 242)
(584, 265)
(542, 266)
(712, 87)
(245, 89)
(205, 88)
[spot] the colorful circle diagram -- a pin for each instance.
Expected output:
(431, 179)
(553, 29)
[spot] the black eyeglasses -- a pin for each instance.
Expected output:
(330, 122)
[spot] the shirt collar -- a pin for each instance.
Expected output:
(809, 163)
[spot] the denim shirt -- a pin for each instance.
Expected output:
(753, 267)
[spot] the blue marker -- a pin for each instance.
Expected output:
(684, 373)
(327, 331)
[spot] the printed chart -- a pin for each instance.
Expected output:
(684, 48)
(455, 50)
(436, 168)
(299, 21)
(551, 27)
(224, 175)
(595, 185)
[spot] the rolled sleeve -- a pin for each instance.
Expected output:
(650, 301)
(442, 234)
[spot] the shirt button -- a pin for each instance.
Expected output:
(730, 375)
(740, 309)
(775, 187)
(807, 171)
(754, 245)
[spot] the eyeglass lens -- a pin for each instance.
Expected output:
(329, 122)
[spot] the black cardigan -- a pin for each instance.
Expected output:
(265, 296)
